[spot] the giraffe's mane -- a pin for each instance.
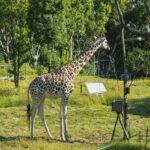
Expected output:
(84, 50)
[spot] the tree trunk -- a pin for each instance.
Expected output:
(14, 67)
(35, 63)
(16, 59)
(125, 66)
(6, 59)
(71, 48)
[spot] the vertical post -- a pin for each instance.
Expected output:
(25, 72)
(71, 48)
(125, 80)
(146, 139)
(49, 68)
(94, 65)
(125, 66)
(80, 87)
(98, 68)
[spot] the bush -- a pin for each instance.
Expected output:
(88, 70)
(41, 70)
(139, 61)
(26, 69)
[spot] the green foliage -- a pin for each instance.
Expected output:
(55, 61)
(88, 70)
(26, 70)
(41, 70)
(131, 11)
(15, 28)
(60, 26)
(59, 21)
(139, 60)
(50, 58)
(46, 21)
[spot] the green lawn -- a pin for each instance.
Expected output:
(90, 119)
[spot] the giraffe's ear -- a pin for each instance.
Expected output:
(95, 37)
(103, 35)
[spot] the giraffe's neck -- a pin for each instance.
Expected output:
(76, 65)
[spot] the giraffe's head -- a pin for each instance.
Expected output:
(102, 41)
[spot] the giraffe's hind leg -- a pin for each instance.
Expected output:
(41, 114)
(33, 111)
(63, 119)
(35, 104)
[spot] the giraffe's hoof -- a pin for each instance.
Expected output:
(49, 134)
(63, 139)
(51, 137)
(67, 138)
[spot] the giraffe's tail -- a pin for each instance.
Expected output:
(28, 110)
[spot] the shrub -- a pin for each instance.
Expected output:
(41, 70)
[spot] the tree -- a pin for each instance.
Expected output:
(34, 51)
(14, 23)
(47, 24)
(66, 26)
(139, 61)
(131, 11)
(141, 10)
(5, 37)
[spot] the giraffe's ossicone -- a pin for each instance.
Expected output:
(59, 84)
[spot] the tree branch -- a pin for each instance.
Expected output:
(120, 13)
(126, 40)
(143, 33)
(5, 41)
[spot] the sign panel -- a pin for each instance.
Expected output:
(95, 87)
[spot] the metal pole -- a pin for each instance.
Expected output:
(115, 127)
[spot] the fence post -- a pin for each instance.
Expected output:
(80, 87)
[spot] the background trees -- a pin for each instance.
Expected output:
(50, 32)
(14, 35)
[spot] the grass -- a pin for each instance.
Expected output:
(129, 146)
(90, 119)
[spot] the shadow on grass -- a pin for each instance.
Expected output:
(6, 139)
(4, 92)
(3, 139)
(130, 146)
(139, 107)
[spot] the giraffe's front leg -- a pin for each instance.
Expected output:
(61, 122)
(65, 122)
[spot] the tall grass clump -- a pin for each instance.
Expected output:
(11, 96)
(114, 91)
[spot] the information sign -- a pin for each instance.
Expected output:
(95, 87)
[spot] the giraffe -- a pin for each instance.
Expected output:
(59, 84)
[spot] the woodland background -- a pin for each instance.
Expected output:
(46, 34)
